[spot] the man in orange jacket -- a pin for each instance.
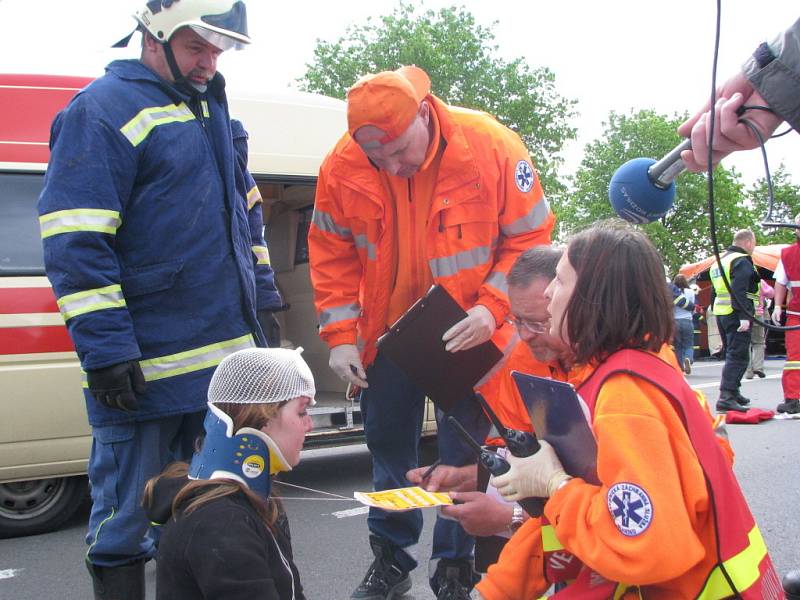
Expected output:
(484, 513)
(416, 193)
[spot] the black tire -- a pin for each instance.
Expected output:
(39, 505)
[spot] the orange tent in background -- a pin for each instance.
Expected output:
(766, 257)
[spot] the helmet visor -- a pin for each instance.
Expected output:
(231, 24)
(223, 42)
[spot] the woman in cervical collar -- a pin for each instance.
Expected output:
(223, 536)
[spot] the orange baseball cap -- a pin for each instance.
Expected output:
(388, 100)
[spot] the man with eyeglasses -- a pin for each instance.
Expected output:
(484, 514)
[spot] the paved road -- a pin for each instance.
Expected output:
(330, 533)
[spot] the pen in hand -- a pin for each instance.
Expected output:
(430, 469)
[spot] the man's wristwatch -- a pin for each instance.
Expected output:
(517, 518)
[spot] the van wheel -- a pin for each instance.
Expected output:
(39, 505)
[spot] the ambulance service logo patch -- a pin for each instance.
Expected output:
(630, 507)
(524, 176)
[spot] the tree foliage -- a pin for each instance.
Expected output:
(682, 236)
(460, 57)
(786, 207)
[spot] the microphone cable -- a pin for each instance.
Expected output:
(750, 312)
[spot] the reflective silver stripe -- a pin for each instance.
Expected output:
(791, 365)
(140, 126)
(498, 281)
(339, 313)
(792, 312)
(324, 221)
(253, 197)
(450, 265)
(534, 219)
(193, 360)
(204, 106)
(794, 284)
(362, 242)
(88, 301)
(79, 219)
(262, 255)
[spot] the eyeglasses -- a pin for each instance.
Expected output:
(537, 327)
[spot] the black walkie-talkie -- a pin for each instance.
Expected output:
(519, 443)
(496, 465)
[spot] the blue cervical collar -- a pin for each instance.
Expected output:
(244, 457)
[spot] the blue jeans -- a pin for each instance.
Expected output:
(123, 458)
(684, 340)
(393, 409)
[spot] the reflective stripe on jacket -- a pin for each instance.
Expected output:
(146, 241)
(487, 208)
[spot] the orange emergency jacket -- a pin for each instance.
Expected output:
(488, 207)
(652, 523)
(502, 393)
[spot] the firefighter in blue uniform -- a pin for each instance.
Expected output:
(148, 247)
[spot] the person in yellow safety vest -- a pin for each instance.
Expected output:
(733, 309)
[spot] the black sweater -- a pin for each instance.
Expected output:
(221, 550)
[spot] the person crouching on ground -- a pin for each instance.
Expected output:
(223, 535)
(667, 518)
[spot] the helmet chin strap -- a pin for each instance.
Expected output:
(181, 81)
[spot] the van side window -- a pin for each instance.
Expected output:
(20, 241)
(303, 224)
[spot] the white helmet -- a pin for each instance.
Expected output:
(222, 23)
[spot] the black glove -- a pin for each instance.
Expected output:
(116, 386)
(270, 327)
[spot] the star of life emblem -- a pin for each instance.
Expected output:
(524, 176)
(630, 507)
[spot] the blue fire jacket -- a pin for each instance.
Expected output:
(267, 292)
(146, 241)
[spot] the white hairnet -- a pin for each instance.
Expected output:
(261, 375)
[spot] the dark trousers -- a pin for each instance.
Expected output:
(737, 352)
(392, 408)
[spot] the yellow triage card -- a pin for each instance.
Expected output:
(407, 498)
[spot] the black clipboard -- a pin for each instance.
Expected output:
(414, 344)
(560, 416)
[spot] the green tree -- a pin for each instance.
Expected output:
(785, 208)
(682, 236)
(461, 58)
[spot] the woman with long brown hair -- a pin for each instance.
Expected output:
(667, 519)
(223, 536)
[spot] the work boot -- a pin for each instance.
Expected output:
(740, 399)
(729, 401)
(125, 582)
(454, 579)
(385, 579)
(790, 405)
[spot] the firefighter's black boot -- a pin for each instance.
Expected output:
(125, 582)
(791, 585)
(385, 578)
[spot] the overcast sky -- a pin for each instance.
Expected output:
(611, 55)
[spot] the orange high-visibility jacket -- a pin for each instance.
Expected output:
(488, 207)
(501, 392)
(641, 441)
